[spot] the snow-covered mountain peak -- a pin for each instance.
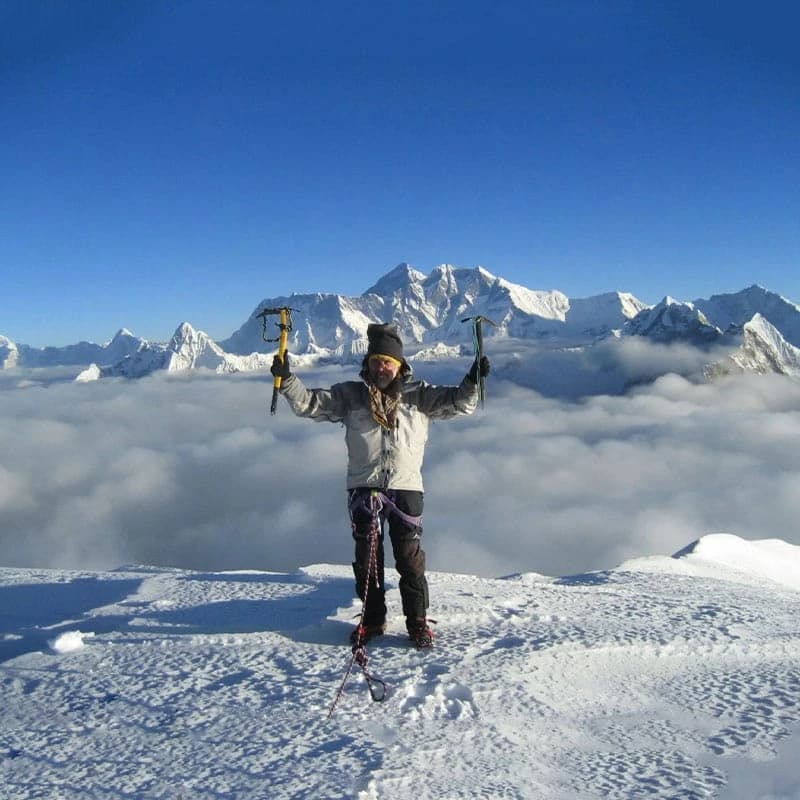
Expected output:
(541, 303)
(761, 325)
(9, 353)
(672, 320)
(630, 304)
(399, 278)
(736, 309)
(764, 349)
(186, 334)
(122, 335)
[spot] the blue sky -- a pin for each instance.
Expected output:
(170, 161)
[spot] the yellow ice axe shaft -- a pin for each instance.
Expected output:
(285, 325)
(283, 342)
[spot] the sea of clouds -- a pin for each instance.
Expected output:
(191, 471)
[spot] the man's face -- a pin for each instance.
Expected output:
(382, 370)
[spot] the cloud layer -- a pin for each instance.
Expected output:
(193, 472)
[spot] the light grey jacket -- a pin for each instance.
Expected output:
(377, 457)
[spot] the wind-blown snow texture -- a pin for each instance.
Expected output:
(664, 678)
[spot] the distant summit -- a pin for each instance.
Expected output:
(397, 279)
(672, 321)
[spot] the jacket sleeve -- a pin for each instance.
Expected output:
(443, 402)
(318, 404)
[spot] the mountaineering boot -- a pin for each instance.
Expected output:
(419, 632)
(361, 634)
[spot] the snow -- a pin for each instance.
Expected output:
(768, 559)
(69, 642)
(724, 556)
(663, 678)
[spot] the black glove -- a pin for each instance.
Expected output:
(280, 369)
(479, 369)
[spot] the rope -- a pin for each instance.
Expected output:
(377, 688)
(385, 502)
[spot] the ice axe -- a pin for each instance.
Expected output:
(285, 325)
(477, 338)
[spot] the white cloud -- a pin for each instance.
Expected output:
(194, 472)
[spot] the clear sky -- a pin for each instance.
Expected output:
(175, 160)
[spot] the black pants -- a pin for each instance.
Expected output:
(409, 557)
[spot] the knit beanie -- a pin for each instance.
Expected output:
(384, 340)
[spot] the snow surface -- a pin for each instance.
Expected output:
(663, 678)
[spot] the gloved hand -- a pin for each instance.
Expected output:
(479, 369)
(280, 369)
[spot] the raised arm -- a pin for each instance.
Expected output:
(317, 404)
(442, 402)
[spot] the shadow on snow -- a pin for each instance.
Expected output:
(33, 614)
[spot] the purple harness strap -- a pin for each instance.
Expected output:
(362, 502)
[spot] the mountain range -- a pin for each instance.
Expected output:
(759, 329)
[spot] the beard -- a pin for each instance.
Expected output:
(389, 386)
(383, 381)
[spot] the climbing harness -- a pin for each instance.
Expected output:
(364, 502)
(377, 687)
(477, 339)
(285, 326)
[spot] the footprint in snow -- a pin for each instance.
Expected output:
(432, 698)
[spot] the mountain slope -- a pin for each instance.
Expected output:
(664, 678)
